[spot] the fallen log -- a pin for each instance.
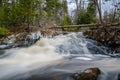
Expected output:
(86, 25)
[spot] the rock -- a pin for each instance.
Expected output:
(117, 50)
(118, 76)
(108, 36)
(88, 74)
(19, 40)
(49, 32)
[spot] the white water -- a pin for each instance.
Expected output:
(51, 51)
(25, 59)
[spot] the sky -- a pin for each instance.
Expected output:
(71, 7)
(105, 6)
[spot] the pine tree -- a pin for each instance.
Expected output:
(66, 17)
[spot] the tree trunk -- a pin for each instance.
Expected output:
(99, 11)
(1, 2)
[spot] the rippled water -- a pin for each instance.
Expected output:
(57, 59)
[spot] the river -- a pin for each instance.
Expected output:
(58, 58)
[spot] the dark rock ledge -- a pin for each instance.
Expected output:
(107, 36)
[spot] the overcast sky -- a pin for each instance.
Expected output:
(105, 6)
(71, 6)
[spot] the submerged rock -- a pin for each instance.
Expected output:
(88, 74)
(1, 52)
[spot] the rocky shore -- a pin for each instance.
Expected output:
(109, 36)
(19, 40)
(25, 39)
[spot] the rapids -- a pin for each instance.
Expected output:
(57, 58)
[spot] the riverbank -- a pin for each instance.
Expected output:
(25, 39)
(109, 36)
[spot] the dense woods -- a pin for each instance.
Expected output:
(26, 13)
(93, 11)
(20, 15)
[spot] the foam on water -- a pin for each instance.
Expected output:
(44, 52)
(24, 59)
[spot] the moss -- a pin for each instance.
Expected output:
(4, 32)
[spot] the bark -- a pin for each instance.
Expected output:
(99, 11)
(114, 15)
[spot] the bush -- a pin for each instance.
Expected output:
(4, 32)
(84, 18)
(66, 21)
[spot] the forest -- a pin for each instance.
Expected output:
(23, 14)
(59, 39)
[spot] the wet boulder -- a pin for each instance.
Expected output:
(88, 74)
(118, 77)
(19, 40)
(106, 35)
(118, 50)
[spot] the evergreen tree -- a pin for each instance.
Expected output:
(91, 11)
(19, 11)
(22, 12)
(1, 3)
(87, 16)
(66, 18)
(52, 7)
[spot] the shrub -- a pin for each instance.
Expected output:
(84, 18)
(4, 32)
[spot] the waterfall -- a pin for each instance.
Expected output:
(66, 53)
